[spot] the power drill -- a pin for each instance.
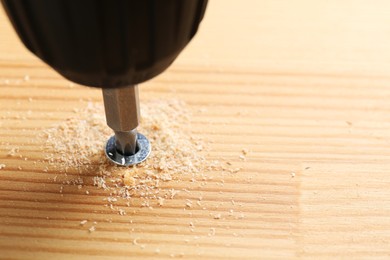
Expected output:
(110, 44)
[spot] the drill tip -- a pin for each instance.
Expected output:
(127, 147)
(142, 152)
(126, 142)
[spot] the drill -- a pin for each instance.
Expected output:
(109, 44)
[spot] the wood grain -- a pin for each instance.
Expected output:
(303, 85)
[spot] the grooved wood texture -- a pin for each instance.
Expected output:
(303, 85)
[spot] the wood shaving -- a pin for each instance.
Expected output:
(217, 216)
(188, 203)
(166, 177)
(2, 166)
(128, 178)
(235, 170)
(160, 201)
(245, 151)
(92, 229)
(212, 232)
(13, 151)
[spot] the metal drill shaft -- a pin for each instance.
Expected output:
(127, 147)
(122, 114)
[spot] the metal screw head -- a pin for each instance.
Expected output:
(142, 153)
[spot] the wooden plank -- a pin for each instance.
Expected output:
(302, 85)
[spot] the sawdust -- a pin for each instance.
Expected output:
(92, 229)
(13, 151)
(75, 155)
(75, 148)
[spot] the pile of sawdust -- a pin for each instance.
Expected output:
(76, 148)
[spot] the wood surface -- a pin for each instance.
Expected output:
(303, 85)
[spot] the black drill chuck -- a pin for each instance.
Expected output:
(106, 43)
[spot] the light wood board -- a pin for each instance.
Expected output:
(304, 85)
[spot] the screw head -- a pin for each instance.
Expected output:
(143, 152)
